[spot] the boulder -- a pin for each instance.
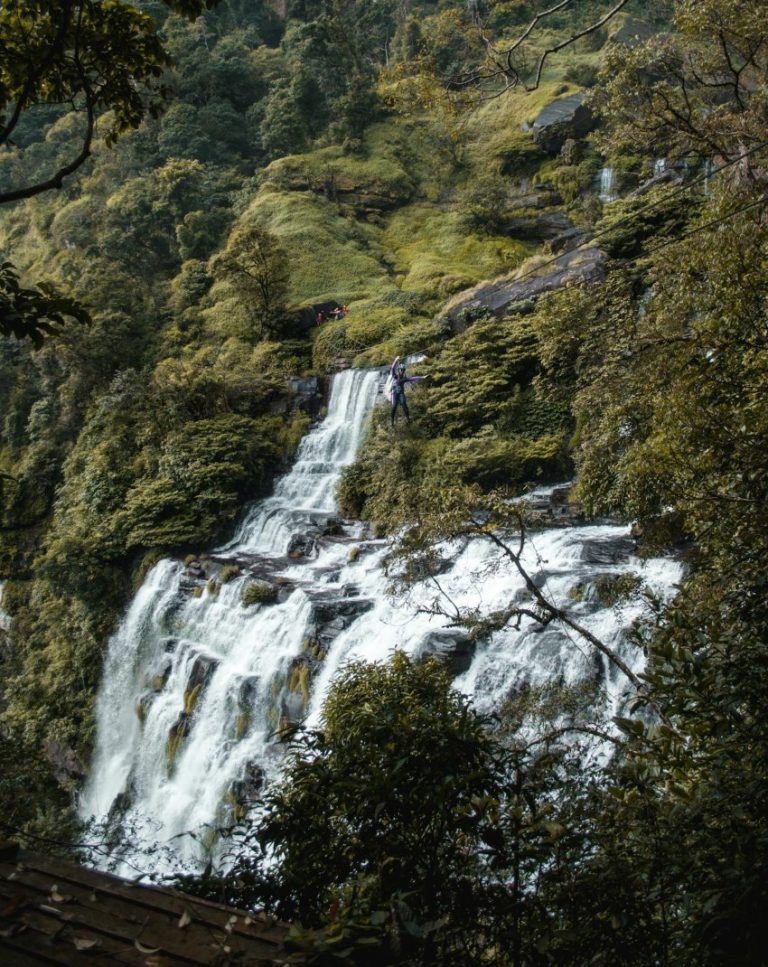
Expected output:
(533, 226)
(632, 32)
(307, 393)
(302, 545)
(567, 241)
(248, 786)
(507, 293)
(607, 550)
(203, 668)
(565, 118)
(331, 615)
(453, 647)
(66, 765)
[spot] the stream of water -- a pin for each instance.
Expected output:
(196, 683)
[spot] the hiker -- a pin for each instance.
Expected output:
(395, 388)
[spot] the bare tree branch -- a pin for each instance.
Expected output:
(572, 39)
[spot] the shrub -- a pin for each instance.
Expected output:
(258, 592)
(229, 572)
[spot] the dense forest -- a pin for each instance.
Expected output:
(240, 167)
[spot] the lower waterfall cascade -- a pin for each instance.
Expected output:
(197, 679)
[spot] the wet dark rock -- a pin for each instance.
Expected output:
(304, 386)
(607, 550)
(180, 727)
(504, 294)
(453, 647)
(248, 786)
(161, 672)
(331, 615)
(632, 32)
(537, 226)
(565, 118)
(567, 240)
(247, 692)
(66, 766)
(302, 545)
(332, 527)
(202, 672)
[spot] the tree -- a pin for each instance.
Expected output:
(255, 266)
(36, 312)
(94, 56)
(374, 835)
(697, 91)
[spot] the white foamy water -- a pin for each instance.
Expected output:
(5, 618)
(195, 684)
(606, 185)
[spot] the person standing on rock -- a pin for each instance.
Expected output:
(396, 388)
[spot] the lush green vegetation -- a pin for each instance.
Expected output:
(330, 150)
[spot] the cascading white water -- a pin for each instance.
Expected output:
(195, 683)
(606, 185)
(659, 166)
(5, 618)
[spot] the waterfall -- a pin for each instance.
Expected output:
(659, 166)
(709, 169)
(606, 185)
(196, 682)
(5, 618)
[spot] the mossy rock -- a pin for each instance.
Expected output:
(190, 698)
(258, 592)
(229, 572)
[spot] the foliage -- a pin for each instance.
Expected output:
(33, 313)
(104, 58)
(255, 266)
(258, 592)
(372, 834)
(663, 94)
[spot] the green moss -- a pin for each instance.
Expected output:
(191, 695)
(495, 136)
(612, 589)
(229, 572)
(213, 587)
(258, 592)
(242, 723)
(172, 747)
(330, 257)
(377, 170)
(300, 680)
(431, 250)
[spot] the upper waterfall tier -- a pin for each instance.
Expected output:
(310, 486)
